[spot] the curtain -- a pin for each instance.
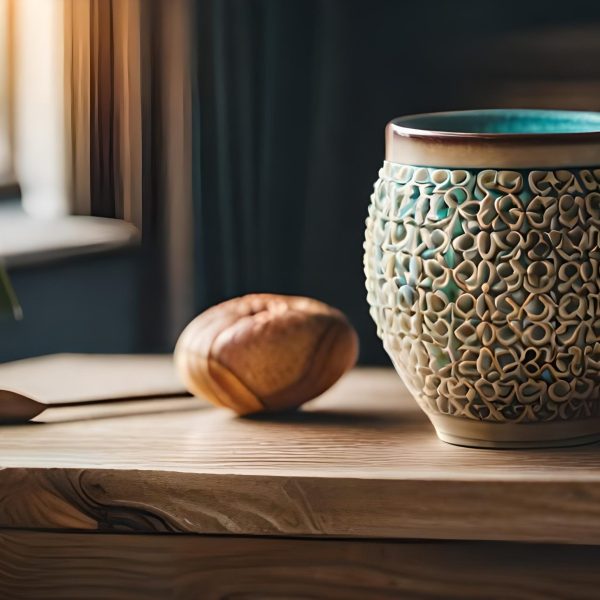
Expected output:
(284, 167)
(128, 81)
(104, 105)
(254, 144)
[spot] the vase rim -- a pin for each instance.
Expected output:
(501, 123)
(500, 138)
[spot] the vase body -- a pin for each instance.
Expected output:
(484, 279)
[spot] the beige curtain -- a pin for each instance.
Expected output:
(103, 103)
(77, 63)
(128, 70)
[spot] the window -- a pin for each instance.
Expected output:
(6, 75)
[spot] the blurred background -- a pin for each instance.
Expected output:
(160, 156)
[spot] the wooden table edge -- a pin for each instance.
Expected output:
(155, 501)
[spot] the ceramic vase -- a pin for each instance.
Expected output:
(482, 257)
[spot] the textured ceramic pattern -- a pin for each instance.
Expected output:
(484, 287)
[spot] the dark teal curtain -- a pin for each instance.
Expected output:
(273, 213)
(256, 65)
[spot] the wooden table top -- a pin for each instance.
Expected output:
(361, 461)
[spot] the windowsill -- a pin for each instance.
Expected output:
(25, 240)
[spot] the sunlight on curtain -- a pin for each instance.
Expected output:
(77, 102)
(40, 142)
(128, 73)
(104, 107)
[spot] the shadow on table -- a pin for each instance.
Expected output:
(331, 417)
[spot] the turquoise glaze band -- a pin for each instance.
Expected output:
(504, 121)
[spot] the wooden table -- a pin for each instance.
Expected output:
(354, 497)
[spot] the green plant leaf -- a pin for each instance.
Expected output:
(8, 298)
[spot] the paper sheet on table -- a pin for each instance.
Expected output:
(75, 386)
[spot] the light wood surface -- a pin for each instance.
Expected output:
(361, 461)
(46, 565)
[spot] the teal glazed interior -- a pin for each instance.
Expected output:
(504, 122)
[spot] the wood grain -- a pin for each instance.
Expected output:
(48, 565)
(361, 461)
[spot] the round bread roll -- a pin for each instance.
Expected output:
(265, 352)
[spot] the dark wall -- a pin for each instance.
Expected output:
(85, 304)
(292, 99)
